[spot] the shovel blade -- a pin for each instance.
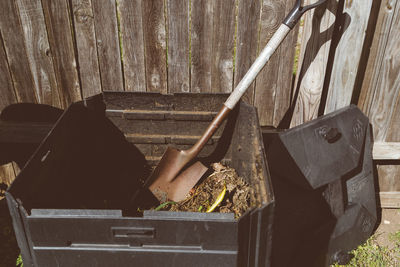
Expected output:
(185, 181)
(165, 184)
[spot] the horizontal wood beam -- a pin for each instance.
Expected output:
(386, 151)
(390, 199)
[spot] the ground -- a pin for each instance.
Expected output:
(390, 225)
(383, 248)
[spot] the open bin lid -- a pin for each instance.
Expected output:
(321, 150)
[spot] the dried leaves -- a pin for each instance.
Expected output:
(239, 196)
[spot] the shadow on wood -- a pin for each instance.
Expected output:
(336, 31)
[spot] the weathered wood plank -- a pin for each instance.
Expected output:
(390, 200)
(285, 74)
(316, 44)
(178, 45)
(387, 92)
(38, 50)
(201, 45)
(7, 94)
(130, 13)
(272, 15)
(386, 151)
(86, 47)
(223, 44)
(7, 97)
(153, 15)
(248, 26)
(106, 27)
(14, 45)
(62, 49)
(389, 178)
(376, 55)
(381, 89)
(380, 94)
(348, 54)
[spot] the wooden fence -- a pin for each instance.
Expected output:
(59, 51)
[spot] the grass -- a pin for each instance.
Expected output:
(373, 255)
(19, 262)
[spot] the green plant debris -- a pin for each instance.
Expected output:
(373, 255)
(164, 205)
(19, 262)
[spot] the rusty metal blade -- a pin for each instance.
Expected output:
(185, 181)
(171, 163)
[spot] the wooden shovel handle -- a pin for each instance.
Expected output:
(209, 132)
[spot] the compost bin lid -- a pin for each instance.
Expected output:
(324, 149)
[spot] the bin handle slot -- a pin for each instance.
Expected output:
(133, 232)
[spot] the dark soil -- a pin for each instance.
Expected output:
(239, 196)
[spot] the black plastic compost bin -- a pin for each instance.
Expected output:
(71, 204)
(325, 189)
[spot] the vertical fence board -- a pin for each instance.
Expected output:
(201, 45)
(316, 43)
(380, 95)
(62, 49)
(348, 54)
(13, 40)
(178, 45)
(386, 87)
(7, 94)
(106, 27)
(272, 14)
(285, 74)
(130, 12)
(86, 47)
(223, 44)
(155, 45)
(376, 55)
(38, 51)
(246, 42)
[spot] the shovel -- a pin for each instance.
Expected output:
(172, 179)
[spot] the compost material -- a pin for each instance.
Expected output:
(238, 197)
